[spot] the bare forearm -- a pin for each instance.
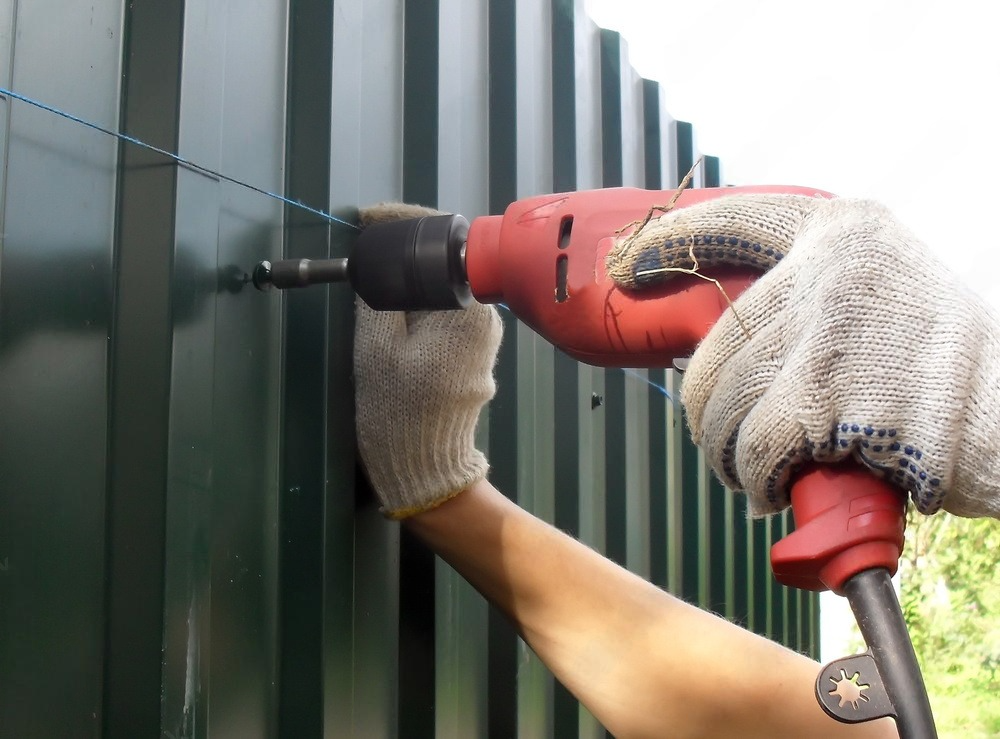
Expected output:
(642, 661)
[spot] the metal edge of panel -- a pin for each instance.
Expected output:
(770, 584)
(761, 604)
(675, 501)
(417, 576)
(567, 397)
(302, 516)
(503, 454)
(587, 70)
(692, 519)
(615, 479)
(611, 112)
(569, 407)
(655, 137)
(739, 611)
(637, 387)
(587, 173)
(566, 392)
(421, 43)
(564, 96)
(713, 172)
(362, 550)
(637, 465)
(462, 614)
(692, 493)
(362, 632)
(704, 529)
(781, 592)
(658, 480)
(685, 157)
(720, 546)
(720, 571)
(536, 379)
(633, 122)
(140, 364)
(335, 33)
(194, 475)
(234, 57)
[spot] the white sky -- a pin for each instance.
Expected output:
(888, 99)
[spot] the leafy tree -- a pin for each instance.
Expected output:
(950, 593)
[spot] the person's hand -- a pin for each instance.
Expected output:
(858, 343)
(421, 379)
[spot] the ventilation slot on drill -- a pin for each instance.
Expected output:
(562, 269)
(565, 229)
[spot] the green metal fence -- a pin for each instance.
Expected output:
(185, 550)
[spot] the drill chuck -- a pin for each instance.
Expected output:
(415, 264)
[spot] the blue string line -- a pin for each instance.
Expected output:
(186, 163)
(633, 374)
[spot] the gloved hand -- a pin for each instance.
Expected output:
(421, 379)
(861, 344)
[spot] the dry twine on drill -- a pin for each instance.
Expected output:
(621, 250)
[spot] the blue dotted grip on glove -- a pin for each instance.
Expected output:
(902, 464)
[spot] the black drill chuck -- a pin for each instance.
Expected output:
(415, 264)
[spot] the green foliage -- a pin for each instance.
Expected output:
(950, 593)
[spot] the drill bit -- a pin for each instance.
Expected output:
(287, 273)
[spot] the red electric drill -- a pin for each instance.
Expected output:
(544, 260)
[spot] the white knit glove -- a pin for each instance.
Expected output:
(421, 380)
(861, 343)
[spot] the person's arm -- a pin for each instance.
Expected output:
(645, 663)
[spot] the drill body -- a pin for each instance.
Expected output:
(544, 259)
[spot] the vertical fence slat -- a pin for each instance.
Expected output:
(303, 470)
(718, 544)
(742, 563)
(141, 358)
(361, 610)
(417, 636)
(592, 391)
(570, 412)
(616, 514)
(587, 72)
(246, 396)
(56, 308)
(533, 63)
(394, 606)
(334, 30)
(192, 532)
(462, 623)
(504, 409)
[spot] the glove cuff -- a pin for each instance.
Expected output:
(417, 472)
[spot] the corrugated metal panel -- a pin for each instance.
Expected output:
(185, 549)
